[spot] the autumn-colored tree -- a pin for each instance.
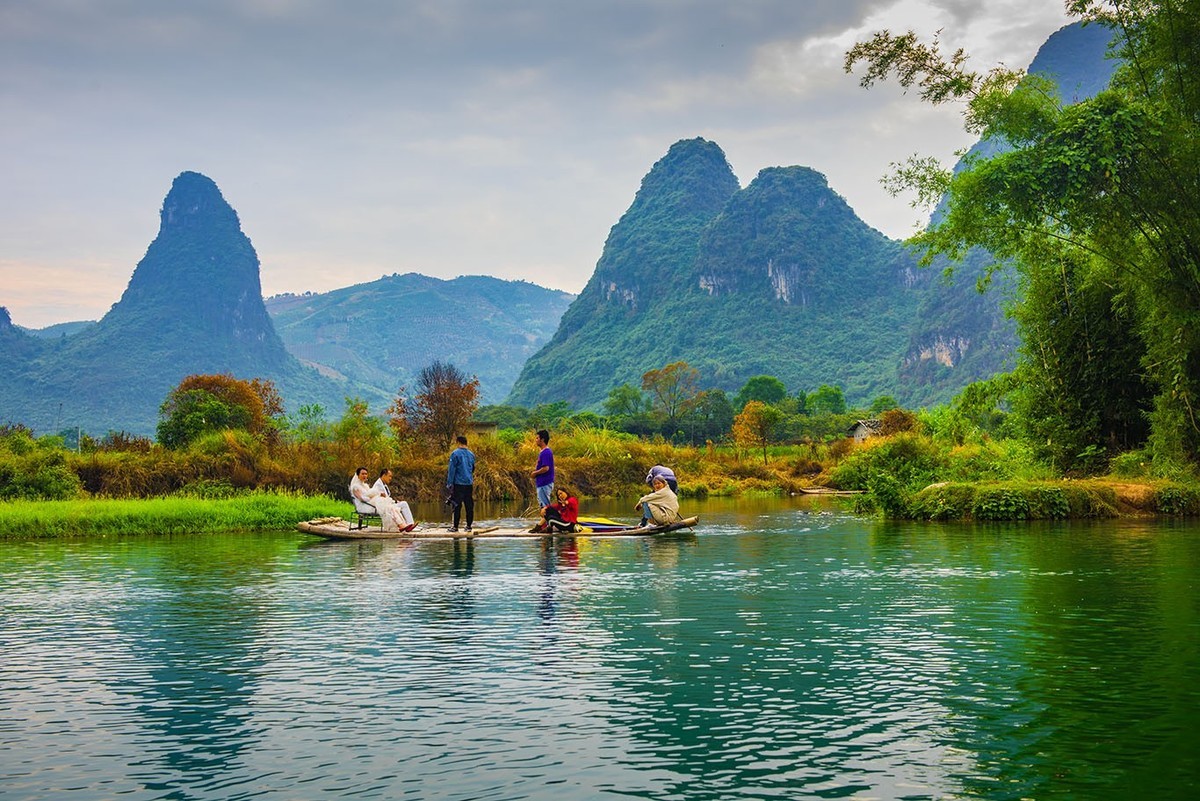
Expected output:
(893, 421)
(205, 403)
(673, 388)
(756, 425)
(398, 419)
(440, 409)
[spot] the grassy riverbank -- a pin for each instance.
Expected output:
(256, 511)
(231, 481)
(913, 476)
(1050, 500)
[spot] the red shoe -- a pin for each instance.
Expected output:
(410, 526)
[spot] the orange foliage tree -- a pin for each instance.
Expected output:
(204, 403)
(756, 426)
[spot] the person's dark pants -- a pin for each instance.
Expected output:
(555, 523)
(460, 496)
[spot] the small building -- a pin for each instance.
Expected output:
(863, 429)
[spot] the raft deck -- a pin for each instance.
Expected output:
(335, 528)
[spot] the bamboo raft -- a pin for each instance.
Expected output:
(335, 528)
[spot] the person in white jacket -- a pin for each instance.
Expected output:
(395, 515)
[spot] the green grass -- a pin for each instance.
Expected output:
(258, 511)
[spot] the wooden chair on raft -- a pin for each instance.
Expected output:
(366, 513)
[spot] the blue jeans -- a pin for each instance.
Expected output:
(545, 495)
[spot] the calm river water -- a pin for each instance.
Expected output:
(782, 651)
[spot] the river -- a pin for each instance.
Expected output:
(788, 649)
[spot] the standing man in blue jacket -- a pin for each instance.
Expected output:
(460, 482)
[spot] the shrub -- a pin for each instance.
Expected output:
(1000, 503)
(943, 502)
(1131, 464)
(894, 421)
(38, 475)
(914, 461)
(207, 489)
(1048, 503)
(1177, 499)
(1087, 499)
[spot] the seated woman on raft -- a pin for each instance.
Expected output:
(661, 507)
(562, 516)
(394, 515)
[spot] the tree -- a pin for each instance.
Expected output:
(826, 399)
(624, 401)
(359, 437)
(1081, 393)
(673, 388)
(308, 424)
(755, 426)
(549, 415)
(204, 403)
(883, 403)
(766, 388)
(1104, 195)
(441, 408)
(710, 416)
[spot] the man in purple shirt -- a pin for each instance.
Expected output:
(543, 474)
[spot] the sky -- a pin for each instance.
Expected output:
(360, 138)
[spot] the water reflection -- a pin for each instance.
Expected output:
(781, 651)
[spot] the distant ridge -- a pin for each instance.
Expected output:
(377, 335)
(58, 330)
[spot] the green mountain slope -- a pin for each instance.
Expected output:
(783, 278)
(18, 349)
(780, 277)
(378, 335)
(621, 324)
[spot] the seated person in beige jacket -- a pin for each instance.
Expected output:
(661, 506)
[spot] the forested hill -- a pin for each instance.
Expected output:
(377, 335)
(193, 305)
(779, 278)
(620, 325)
(782, 278)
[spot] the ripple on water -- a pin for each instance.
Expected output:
(804, 657)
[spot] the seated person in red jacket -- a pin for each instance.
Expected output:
(561, 516)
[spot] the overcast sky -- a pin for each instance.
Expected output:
(363, 137)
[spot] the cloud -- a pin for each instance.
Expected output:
(443, 136)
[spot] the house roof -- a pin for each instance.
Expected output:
(874, 426)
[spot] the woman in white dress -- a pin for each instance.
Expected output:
(395, 515)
